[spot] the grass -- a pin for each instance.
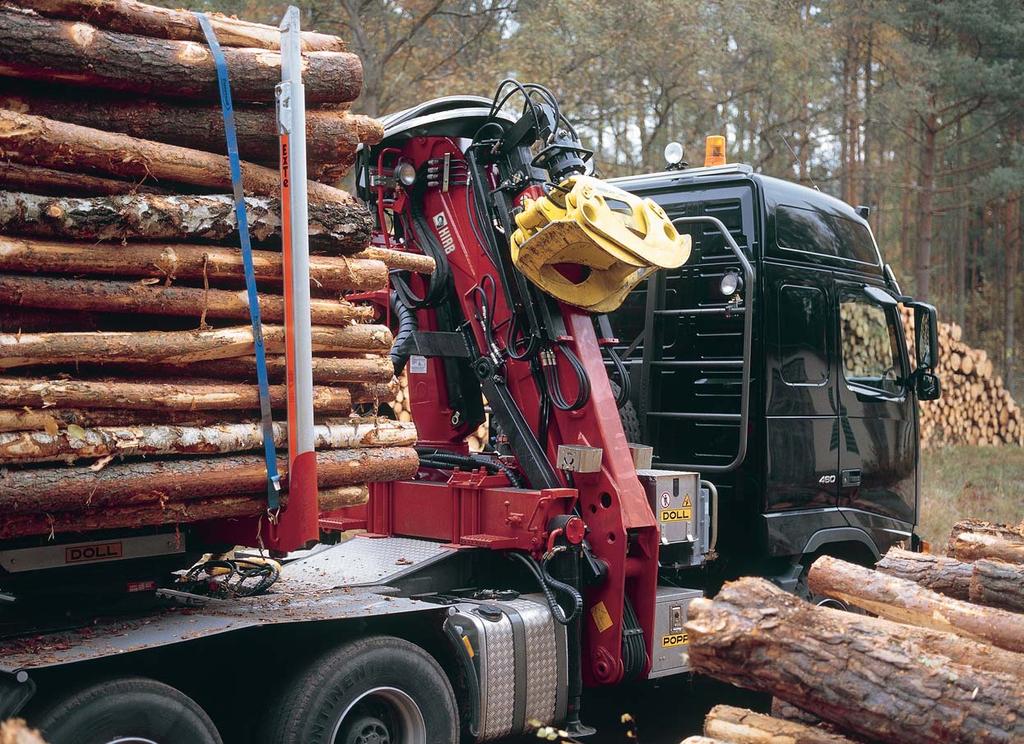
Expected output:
(960, 482)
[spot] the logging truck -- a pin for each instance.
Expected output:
(684, 377)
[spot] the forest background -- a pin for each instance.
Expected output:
(914, 108)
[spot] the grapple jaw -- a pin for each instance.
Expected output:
(588, 243)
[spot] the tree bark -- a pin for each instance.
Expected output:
(925, 207)
(35, 140)
(104, 296)
(142, 396)
(326, 370)
(176, 347)
(868, 676)
(331, 136)
(739, 726)
(905, 602)
(973, 546)
(55, 419)
(38, 48)
(399, 259)
(129, 16)
(180, 512)
(338, 228)
(938, 573)
(373, 393)
(980, 526)
(17, 177)
(998, 584)
(75, 443)
(37, 491)
(168, 262)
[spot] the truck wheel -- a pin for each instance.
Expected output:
(379, 690)
(130, 710)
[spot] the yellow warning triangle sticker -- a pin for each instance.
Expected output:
(686, 501)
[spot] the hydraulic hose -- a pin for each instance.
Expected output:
(548, 585)
(434, 458)
(407, 325)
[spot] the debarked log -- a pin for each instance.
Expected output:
(35, 140)
(154, 299)
(973, 546)
(399, 259)
(64, 489)
(904, 601)
(17, 177)
(38, 48)
(54, 419)
(998, 584)
(871, 677)
(144, 396)
(130, 16)
(331, 136)
(940, 574)
(741, 726)
(75, 443)
(168, 512)
(334, 227)
(168, 262)
(176, 347)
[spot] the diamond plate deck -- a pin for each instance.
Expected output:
(361, 561)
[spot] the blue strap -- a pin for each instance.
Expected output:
(266, 415)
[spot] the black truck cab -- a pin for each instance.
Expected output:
(822, 455)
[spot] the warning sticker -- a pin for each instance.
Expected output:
(675, 639)
(686, 501)
(417, 364)
(601, 618)
(675, 515)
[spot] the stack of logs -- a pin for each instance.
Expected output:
(943, 661)
(975, 408)
(123, 317)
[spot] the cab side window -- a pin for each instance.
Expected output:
(802, 321)
(870, 341)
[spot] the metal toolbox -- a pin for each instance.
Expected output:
(669, 653)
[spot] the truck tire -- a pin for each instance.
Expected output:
(380, 689)
(128, 710)
(630, 418)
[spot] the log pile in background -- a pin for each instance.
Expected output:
(127, 375)
(930, 668)
(974, 408)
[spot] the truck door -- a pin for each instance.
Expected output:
(802, 423)
(879, 446)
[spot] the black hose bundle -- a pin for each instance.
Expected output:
(407, 325)
(549, 585)
(435, 458)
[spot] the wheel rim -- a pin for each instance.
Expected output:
(833, 603)
(131, 740)
(381, 715)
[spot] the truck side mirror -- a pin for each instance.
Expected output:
(926, 385)
(926, 335)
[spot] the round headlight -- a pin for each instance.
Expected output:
(406, 173)
(731, 283)
(673, 153)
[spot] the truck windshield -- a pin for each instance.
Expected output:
(814, 231)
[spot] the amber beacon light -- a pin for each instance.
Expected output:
(714, 150)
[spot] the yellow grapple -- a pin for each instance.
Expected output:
(607, 239)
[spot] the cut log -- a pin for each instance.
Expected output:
(35, 140)
(37, 48)
(142, 396)
(175, 347)
(338, 228)
(998, 584)
(905, 602)
(373, 392)
(326, 370)
(55, 419)
(17, 177)
(105, 296)
(399, 259)
(985, 528)
(938, 573)
(741, 726)
(327, 273)
(702, 740)
(868, 676)
(331, 136)
(76, 443)
(973, 546)
(36, 491)
(129, 16)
